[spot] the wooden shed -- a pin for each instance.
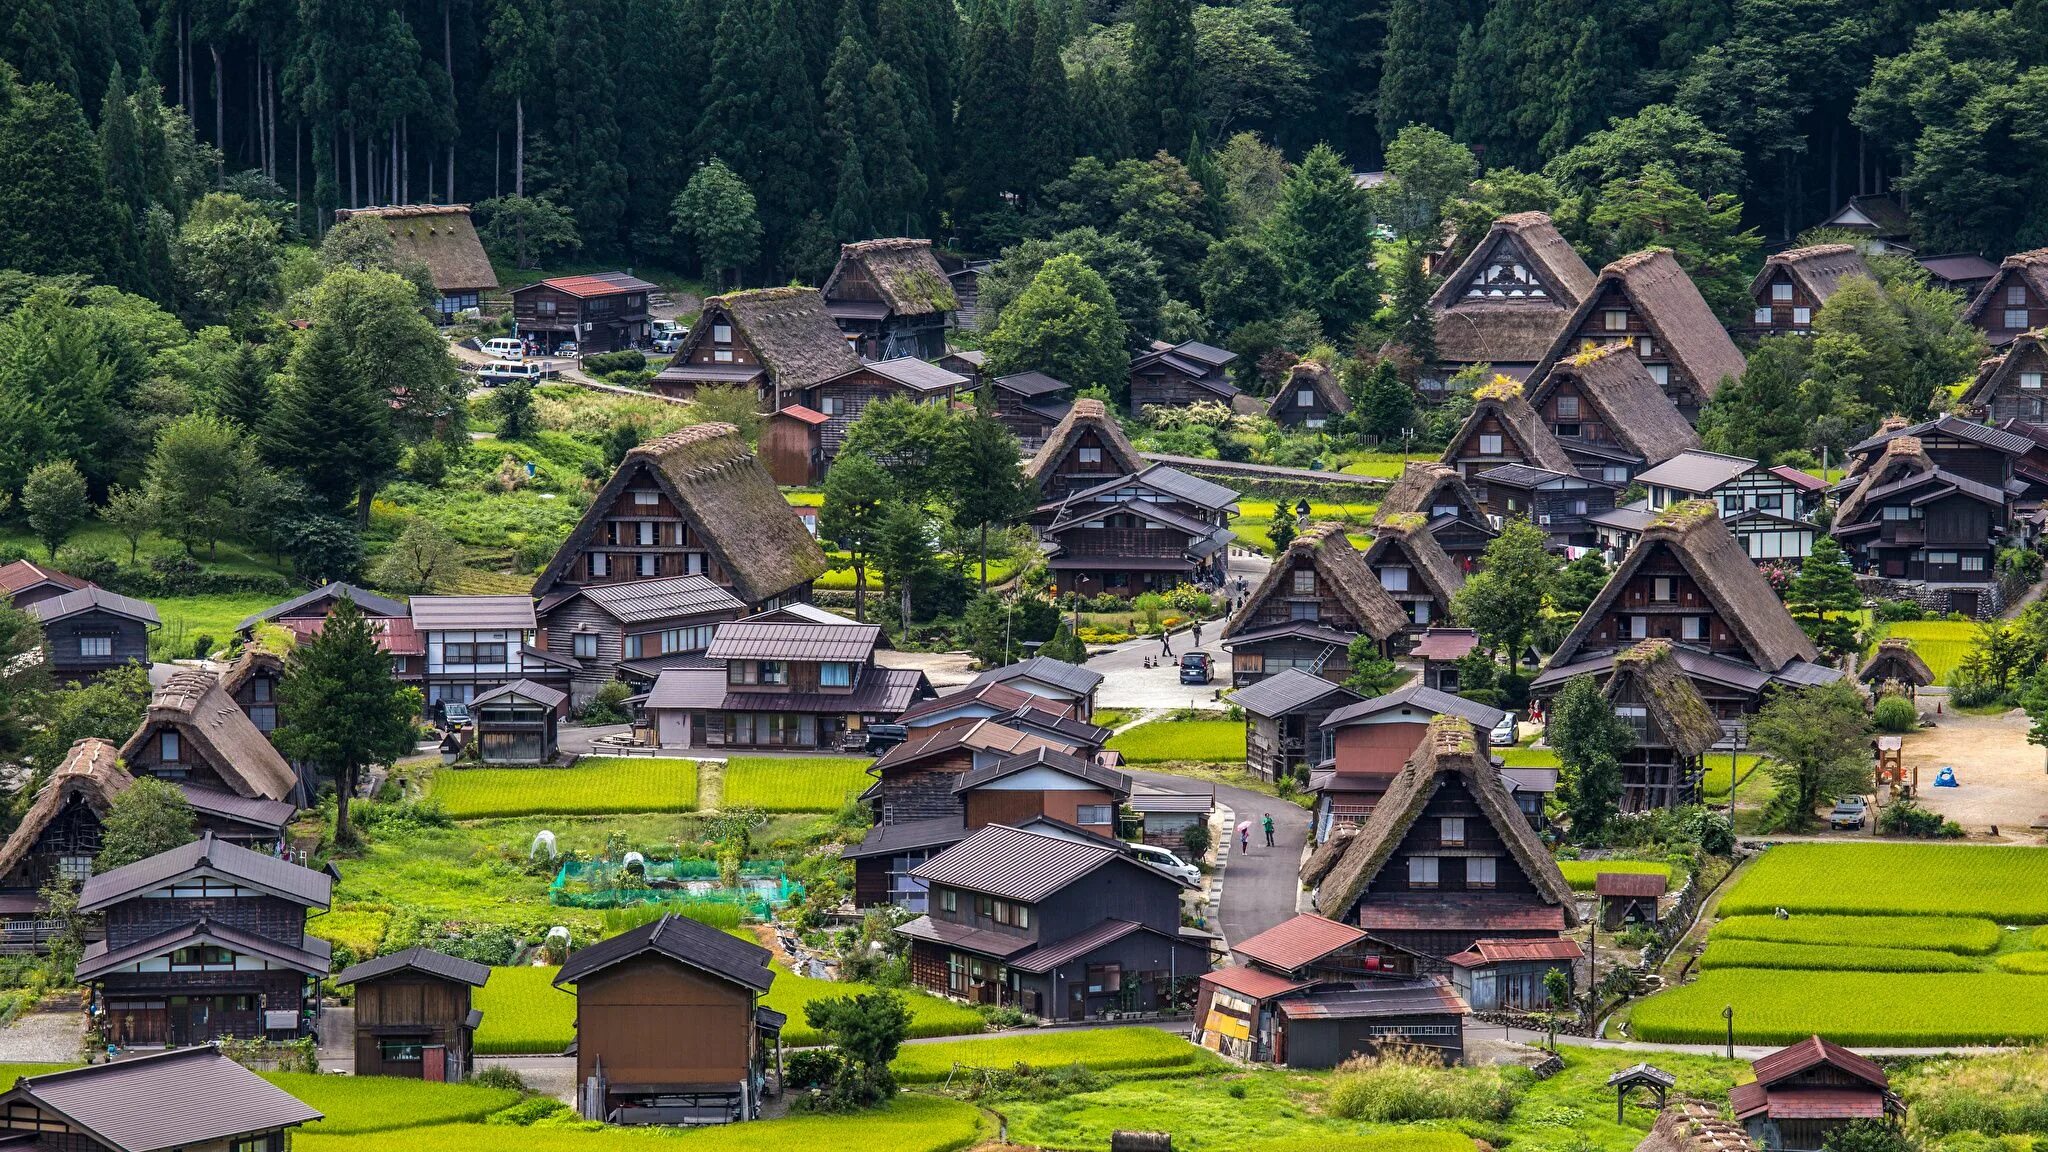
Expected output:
(515, 723)
(793, 446)
(413, 1014)
(1508, 975)
(1895, 660)
(1628, 897)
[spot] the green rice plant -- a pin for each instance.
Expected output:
(2009, 885)
(1524, 757)
(1877, 1009)
(358, 929)
(2023, 963)
(1942, 643)
(356, 1104)
(524, 1013)
(9, 1073)
(1997, 1094)
(794, 784)
(1968, 936)
(1104, 1050)
(1834, 957)
(1397, 1140)
(1581, 874)
(596, 785)
(906, 1124)
(1199, 741)
(712, 912)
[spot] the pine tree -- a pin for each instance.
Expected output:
(761, 114)
(1418, 60)
(896, 187)
(341, 709)
(1382, 406)
(1322, 232)
(1163, 73)
(590, 159)
(328, 425)
(1048, 114)
(127, 189)
(1412, 324)
(996, 85)
(852, 214)
(53, 216)
(919, 40)
(1825, 584)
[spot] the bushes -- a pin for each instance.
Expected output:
(1997, 1094)
(1905, 818)
(1896, 714)
(1402, 1085)
(625, 360)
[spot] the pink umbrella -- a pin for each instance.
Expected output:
(1244, 827)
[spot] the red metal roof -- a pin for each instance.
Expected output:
(1252, 982)
(1295, 943)
(395, 634)
(1458, 916)
(799, 412)
(1797, 478)
(27, 573)
(1812, 1051)
(1631, 884)
(1445, 644)
(1807, 1103)
(1501, 951)
(602, 284)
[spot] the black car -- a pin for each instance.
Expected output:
(1196, 668)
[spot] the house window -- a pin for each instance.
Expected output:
(1568, 430)
(1314, 422)
(1763, 315)
(167, 747)
(1568, 407)
(721, 333)
(1661, 373)
(544, 307)
(949, 900)
(774, 672)
(1614, 474)
(1421, 612)
(1802, 316)
(742, 672)
(1304, 581)
(1639, 627)
(835, 675)
(1422, 871)
(1394, 579)
(95, 645)
(1637, 717)
(1489, 443)
(647, 562)
(1782, 291)
(1941, 557)
(1451, 830)
(1578, 507)
(2016, 294)
(645, 533)
(831, 405)
(1305, 398)
(1615, 319)
(1693, 628)
(2031, 380)
(1898, 512)
(2015, 318)
(1663, 589)
(1731, 503)
(722, 355)
(259, 691)
(1092, 814)
(399, 1051)
(646, 496)
(1306, 610)
(1090, 455)
(1771, 502)
(583, 645)
(1479, 872)
(1645, 346)
(600, 564)
(1973, 563)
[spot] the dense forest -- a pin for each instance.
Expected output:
(847, 118)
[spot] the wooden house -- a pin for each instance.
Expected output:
(775, 342)
(1687, 582)
(1877, 215)
(1050, 679)
(413, 1014)
(916, 780)
(1061, 927)
(696, 502)
(1608, 415)
(1504, 429)
(1310, 398)
(1508, 975)
(1085, 450)
(1414, 571)
(195, 736)
(1647, 300)
(1439, 650)
(769, 683)
(1768, 509)
(90, 630)
(515, 723)
(1803, 1093)
(1895, 662)
(1563, 504)
(1789, 291)
(632, 629)
(441, 237)
(1056, 720)
(1315, 599)
(1283, 716)
(2014, 301)
(474, 644)
(605, 312)
(638, 992)
(1438, 492)
(1506, 304)
(23, 582)
(317, 605)
(1031, 404)
(842, 398)
(968, 362)
(253, 681)
(203, 942)
(793, 446)
(59, 835)
(1962, 272)
(1133, 534)
(1674, 726)
(1627, 898)
(891, 298)
(1176, 375)
(1928, 529)
(1364, 746)
(2009, 386)
(192, 1099)
(1447, 859)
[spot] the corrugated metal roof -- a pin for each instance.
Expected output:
(1030, 384)
(1045, 670)
(418, 959)
(1297, 942)
(310, 955)
(1630, 884)
(27, 574)
(1696, 470)
(371, 603)
(692, 688)
(538, 693)
(1000, 945)
(1286, 690)
(1252, 982)
(679, 938)
(1508, 951)
(887, 839)
(635, 601)
(1445, 644)
(1429, 997)
(190, 1096)
(282, 877)
(1145, 799)
(1013, 864)
(1043, 757)
(1195, 490)
(451, 613)
(1458, 915)
(1422, 699)
(911, 372)
(255, 810)
(92, 597)
(600, 284)
(743, 640)
(1812, 1051)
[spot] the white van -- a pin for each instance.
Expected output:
(505, 371)
(505, 348)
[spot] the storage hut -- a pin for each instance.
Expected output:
(515, 723)
(1628, 897)
(1895, 660)
(413, 1014)
(1508, 975)
(1803, 1093)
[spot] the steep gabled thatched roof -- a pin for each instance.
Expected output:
(198, 706)
(1339, 565)
(1407, 534)
(2030, 268)
(1424, 484)
(91, 770)
(732, 505)
(1635, 409)
(1896, 660)
(1502, 397)
(788, 328)
(1312, 375)
(1674, 704)
(904, 272)
(439, 236)
(1818, 268)
(1903, 457)
(1516, 320)
(1560, 271)
(1086, 415)
(1449, 749)
(2027, 352)
(1677, 315)
(1326, 856)
(1738, 592)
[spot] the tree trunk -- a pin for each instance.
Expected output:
(519, 146)
(497, 164)
(405, 160)
(344, 784)
(220, 172)
(179, 49)
(860, 586)
(984, 557)
(270, 98)
(448, 66)
(353, 202)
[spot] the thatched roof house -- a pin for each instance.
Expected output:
(196, 732)
(1815, 271)
(1663, 315)
(1500, 409)
(1610, 397)
(1987, 309)
(777, 340)
(1678, 717)
(1084, 449)
(1512, 295)
(2013, 385)
(1404, 541)
(1694, 1126)
(1340, 574)
(1896, 660)
(759, 549)
(1424, 487)
(91, 776)
(439, 236)
(1310, 397)
(899, 272)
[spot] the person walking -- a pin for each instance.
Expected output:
(1244, 836)
(1165, 641)
(1269, 829)
(1198, 633)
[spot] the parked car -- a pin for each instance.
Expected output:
(1166, 862)
(568, 349)
(454, 716)
(505, 371)
(1850, 814)
(1196, 668)
(505, 348)
(1503, 733)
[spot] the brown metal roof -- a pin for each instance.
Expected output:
(1630, 884)
(417, 959)
(1432, 996)
(1297, 942)
(1252, 982)
(1045, 757)
(23, 574)
(637, 601)
(1508, 951)
(741, 640)
(190, 1096)
(1014, 864)
(310, 955)
(283, 878)
(681, 939)
(1813, 1051)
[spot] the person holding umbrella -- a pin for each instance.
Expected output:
(1244, 836)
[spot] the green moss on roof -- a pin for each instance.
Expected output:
(1452, 736)
(1404, 522)
(1501, 387)
(1684, 514)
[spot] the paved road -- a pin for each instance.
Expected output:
(1259, 886)
(1131, 685)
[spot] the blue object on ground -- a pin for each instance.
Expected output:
(1946, 778)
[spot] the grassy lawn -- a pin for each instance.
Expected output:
(1103, 1050)
(909, 1124)
(596, 784)
(1715, 781)
(1942, 643)
(357, 1104)
(1581, 873)
(2009, 885)
(1521, 757)
(1254, 521)
(929, 1015)
(796, 784)
(1163, 741)
(187, 618)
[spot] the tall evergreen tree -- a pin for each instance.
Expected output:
(995, 85)
(341, 709)
(127, 188)
(852, 212)
(53, 217)
(896, 183)
(1048, 115)
(328, 425)
(1410, 321)
(1322, 232)
(590, 149)
(1418, 61)
(1163, 73)
(761, 114)
(920, 41)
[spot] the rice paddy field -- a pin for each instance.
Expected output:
(1942, 643)
(1200, 741)
(2008, 885)
(1101, 1050)
(596, 785)
(1968, 936)
(1874, 1009)
(1254, 521)
(1829, 957)
(1581, 874)
(363, 1104)
(794, 784)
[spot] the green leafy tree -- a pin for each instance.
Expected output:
(1418, 61)
(1825, 585)
(1409, 321)
(132, 513)
(856, 491)
(984, 487)
(423, 560)
(760, 113)
(1064, 645)
(1322, 232)
(1590, 740)
(194, 454)
(1705, 234)
(1129, 269)
(1252, 171)
(911, 440)
(340, 708)
(1503, 601)
(1372, 674)
(115, 701)
(1816, 744)
(1762, 414)
(24, 682)
(866, 1030)
(148, 818)
(61, 386)
(1065, 325)
(2034, 700)
(1425, 171)
(228, 263)
(527, 230)
(903, 554)
(1885, 351)
(1696, 156)
(715, 213)
(516, 417)
(55, 503)
(1243, 282)
(1579, 584)
(1252, 63)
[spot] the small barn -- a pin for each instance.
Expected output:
(1508, 975)
(413, 1014)
(1803, 1093)
(515, 723)
(1895, 661)
(793, 446)
(1323, 1026)
(1283, 717)
(1629, 897)
(442, 237)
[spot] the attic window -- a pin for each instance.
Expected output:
(646, 496)
(721, 333)
(1782, 291)
(1615, 319)
(167, 747)
(2015, 318)
(1305, 398)
(2030, 380)
(1489, 443)
(1802, 315)
(1304, 581)
(2016, 294)
(1090, 455)
(1568, 407)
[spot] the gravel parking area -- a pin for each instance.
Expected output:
(44, 1038)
